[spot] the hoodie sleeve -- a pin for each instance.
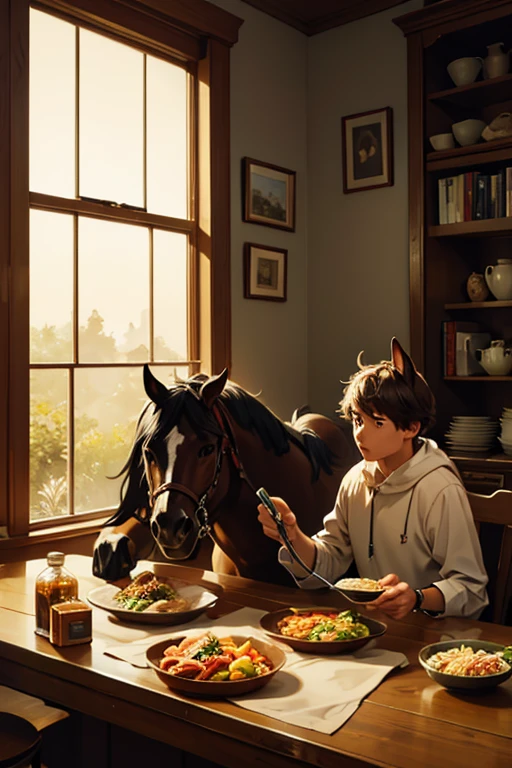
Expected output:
(333, 549)
(455, 546)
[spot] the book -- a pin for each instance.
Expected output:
(450, 330)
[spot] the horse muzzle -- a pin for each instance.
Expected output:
(174, 532)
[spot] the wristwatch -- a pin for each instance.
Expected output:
(419, 600)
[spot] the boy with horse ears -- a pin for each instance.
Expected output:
(402, 513)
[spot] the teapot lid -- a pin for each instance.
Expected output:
(504, 261)
(498, 343)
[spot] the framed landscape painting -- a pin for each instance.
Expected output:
(269, 194)
(265, 272)
(367, 147)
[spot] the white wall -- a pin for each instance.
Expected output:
(348, 259)
(357, 243)
(269, 123)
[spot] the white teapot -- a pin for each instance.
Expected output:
(499, 279)
(496, 359)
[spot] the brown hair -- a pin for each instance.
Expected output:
(392, 388)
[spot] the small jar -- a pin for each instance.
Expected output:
(53, 585)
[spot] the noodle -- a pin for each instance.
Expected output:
(465, 662)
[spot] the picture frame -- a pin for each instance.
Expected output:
(265, 272)
(268, 194)
(367, 150)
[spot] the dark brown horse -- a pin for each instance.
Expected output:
(201, 450)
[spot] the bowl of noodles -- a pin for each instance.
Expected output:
(322, 630)
(360, 590)
(467, 665)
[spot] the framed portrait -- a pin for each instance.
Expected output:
(269, 194)
(367, 145)
(265, 272)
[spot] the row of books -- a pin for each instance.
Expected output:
(471, 196)
(460, 342)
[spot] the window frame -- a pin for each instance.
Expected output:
(200, 37)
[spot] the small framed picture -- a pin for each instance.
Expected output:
(265, 272)
(269, 194)
(367, 144)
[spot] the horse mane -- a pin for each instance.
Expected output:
(184, 400)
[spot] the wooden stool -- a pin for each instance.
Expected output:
(20, 745)
(20, 742)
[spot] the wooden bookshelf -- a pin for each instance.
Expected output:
(442, 257)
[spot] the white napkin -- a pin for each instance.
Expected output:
(322, 692)
(245, 620)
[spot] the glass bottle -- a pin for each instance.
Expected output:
(53, 585)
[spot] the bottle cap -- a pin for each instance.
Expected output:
(55, 558)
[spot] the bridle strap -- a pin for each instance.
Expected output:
(227, 445)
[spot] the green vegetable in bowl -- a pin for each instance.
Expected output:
(507, 654)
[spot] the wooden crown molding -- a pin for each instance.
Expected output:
(348, 11)
(449, 11)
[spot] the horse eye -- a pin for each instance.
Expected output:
(206, 450)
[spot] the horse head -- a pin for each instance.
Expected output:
(183, 459)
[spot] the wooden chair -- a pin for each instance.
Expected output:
(493, 518)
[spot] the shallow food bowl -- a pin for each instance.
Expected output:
(459, 682)
(219, 689)
(269, 622)
(361, 595)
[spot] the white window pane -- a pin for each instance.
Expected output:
(48, 444)
(170, 295)
(113, 291)
(52, 105)
(107, 404)
(111, 120)
(167, 157)
(51, 287)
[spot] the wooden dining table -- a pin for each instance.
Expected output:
(408, 720)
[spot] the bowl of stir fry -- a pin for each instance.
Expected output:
(360, 590)
(149, 599)
(322, 630)
(202, 664)
(468, 665)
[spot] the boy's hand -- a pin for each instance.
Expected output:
(397, 601)
(269, 526)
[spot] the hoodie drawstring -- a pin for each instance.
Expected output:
(403, 535)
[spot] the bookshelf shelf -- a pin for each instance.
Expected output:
(478, 378)
(479, 305)
(494, 151)
(477, 228)
(480, 94)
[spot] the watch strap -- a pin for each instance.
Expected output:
(419, 600)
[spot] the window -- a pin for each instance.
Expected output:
(112, 262)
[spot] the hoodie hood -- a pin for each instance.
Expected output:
(424, 461)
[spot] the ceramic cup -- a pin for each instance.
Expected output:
(468, 132)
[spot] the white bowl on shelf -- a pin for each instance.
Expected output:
(464, 71)
(442, 141)
(468, 132)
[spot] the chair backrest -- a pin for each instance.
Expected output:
(493, 519)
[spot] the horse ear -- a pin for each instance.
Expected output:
(155, 390)
(212, 388)
(402, 362)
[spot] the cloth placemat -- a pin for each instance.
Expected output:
(315, 692)
(322, 692)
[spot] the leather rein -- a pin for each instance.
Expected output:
(226, 446)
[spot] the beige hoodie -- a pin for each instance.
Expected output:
(423, 499)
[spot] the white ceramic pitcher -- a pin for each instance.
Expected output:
(497, 61)
(499, 279)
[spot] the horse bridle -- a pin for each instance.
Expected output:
(226, 445)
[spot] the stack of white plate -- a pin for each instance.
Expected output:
(472, 434)
(505, 437)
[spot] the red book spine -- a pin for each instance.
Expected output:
(450, 341)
